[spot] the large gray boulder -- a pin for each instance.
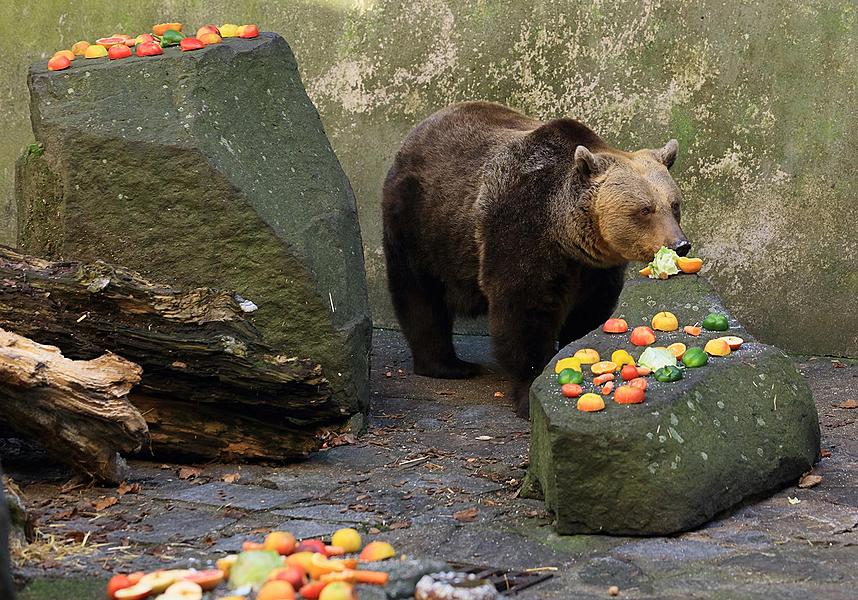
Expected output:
(742, 425)
(207, 168)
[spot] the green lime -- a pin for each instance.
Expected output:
(695, 357)
(668, 374)
(569, 376)
(715, 322)
(171, 37)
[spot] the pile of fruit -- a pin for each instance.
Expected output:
(279, 568)
(667, 262)
(665, 363)
(119, 45)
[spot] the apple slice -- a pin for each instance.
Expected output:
(184, 590)
(138, 591)
(207, 579)
(733, 341)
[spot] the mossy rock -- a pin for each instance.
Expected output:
(207, 168)
(742, 425)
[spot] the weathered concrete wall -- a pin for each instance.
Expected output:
(760, 95)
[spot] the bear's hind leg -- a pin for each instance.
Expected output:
(426, 321)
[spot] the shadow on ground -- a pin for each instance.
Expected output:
(437, 475)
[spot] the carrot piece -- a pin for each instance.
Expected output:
(638, 382)
(692, 330)
(607, 388)
(603, 378)
(334, 550)
(353, 576)
(643, 371)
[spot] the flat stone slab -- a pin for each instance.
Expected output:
(742, 425)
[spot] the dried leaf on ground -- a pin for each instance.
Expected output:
(837, 364)
(399, 525)
(231, 477)
(848, 404)
(809, 480)
(189, 472)
(100, 505)
(127, 488)
(499, 394)
(467, 515)
(484, 438)
(346, 439)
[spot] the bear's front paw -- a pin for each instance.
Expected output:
(521, 397)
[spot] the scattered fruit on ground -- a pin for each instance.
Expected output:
(188, 44)
(689, 265)
(571, 390)
(587, 356)
(302, 559)
(643, 371)
(228, 30)
(312, 590)
(144, 37)
(627, 394)
(353, 576)
(171, 37)
(95, 51)
(604, 378)
(590, 402)
(567, 363)
(184, 590)
(209, 38)
(377, 551)
(692, 330)
(338, 590)
(569, 376)
(138, 591)
(639, 382)
(615, 326)
(250, 545)
(668, 374)
(642, 336)
(276, 590)
(282, 542)
(677, 349)
(58, 63)
(695, 357)
(717, 347)
(207, 579)
(161, 28)
(665, 321)
(629, 372)
(716, 322)
(119, 51)
(248, 31)
(225, 563)
(311, 546)
(109, 42)
(67, 53)
(622, 358)
(607, 388)
(117, 582)
(293, 573)
(348, 539)
(602, 367)
(79, 48)
(646, 271)
(655, 358)
(149, 49)
(733, 341)
(207, 29)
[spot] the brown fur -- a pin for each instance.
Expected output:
(487, 210)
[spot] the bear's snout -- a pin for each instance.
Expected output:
(681, 247)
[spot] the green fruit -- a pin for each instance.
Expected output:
(569, 376)
(668, 374)
(171, 38)
(715, 322)
(695, 357)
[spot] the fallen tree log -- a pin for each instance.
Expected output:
(78, 410)
(210, 388)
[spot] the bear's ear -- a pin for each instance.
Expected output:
(585, 162)
(667, 155)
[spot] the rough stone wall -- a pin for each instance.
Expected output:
(760, 95)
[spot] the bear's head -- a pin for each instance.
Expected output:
(634, 203)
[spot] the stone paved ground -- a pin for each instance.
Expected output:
(436, 448)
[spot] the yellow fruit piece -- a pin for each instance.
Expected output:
(348, 539)
(622, 357)
(717, 347)
(587, 356)
(602, 367)
(225, 563)
(95, 51)
(376, 551)
(80, 48)
(302, 559)
(337, 590)
(565, 363)
(228, 30)
(665, 321)
(591, 402)
(677, 349)
(67, 53)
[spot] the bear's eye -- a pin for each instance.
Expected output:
(646, 211)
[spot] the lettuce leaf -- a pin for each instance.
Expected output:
(664, 264)
(252, 568)
(656, 358)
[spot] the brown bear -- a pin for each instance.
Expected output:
(488, 210)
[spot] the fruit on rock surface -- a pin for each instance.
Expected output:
(569, 362)
(209, 38)
(590, 402)
(161, 580)
(276, 590)
(138, 591)
(67, 53)
(228, 30)
(376, 551)
(79, 48)
(639, 382)
(642, 336)
(184, 590)
(668, 374)
(161, 28)
(225, 563)
(207, 29)
(143, 38)
(569, 376)
(58, 63)
(117, 582)
(282, 542)
(603, 378)
(248, 31)
(149, 49)
(615, 326)
(312, 546)
(733, 341)
(717, 347)
(95, 51)
(302, 559)
(109, 42)
(587, 356)
(665, 321)
(607, 388)
(716, 322)
(119, 51)
(171, 37)
(656, 358)
(692, 330)
(571, 390)
(207, 579)
(348, 539)
(629, 372)
(602, 367)
(622, 358)
(293, 573)
(694, 358)
(627, 394)
(189, 44)
(338, 590)
(689, 265)
(677, 349)
(313, 590)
